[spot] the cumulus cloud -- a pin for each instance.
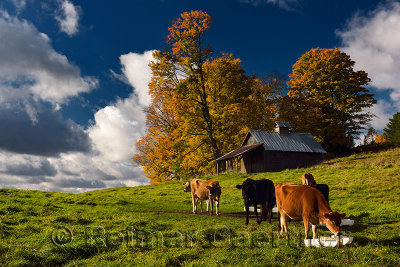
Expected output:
(47, 135)
(373, 42)
(40, 168)
(118, 127)
(288, 5)
(113, 135)
(135, 68)
(31, 68)
(19, 4)
(68, 17)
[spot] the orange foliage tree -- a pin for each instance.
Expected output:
(201, 106)
(380, 138)
(327, 98)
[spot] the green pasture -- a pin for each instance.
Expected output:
(153, 225)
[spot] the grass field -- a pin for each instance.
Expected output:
(153, 225)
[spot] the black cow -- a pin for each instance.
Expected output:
(324, 189)
(258, 192)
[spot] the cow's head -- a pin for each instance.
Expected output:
(187, 187)
(308, 179)
(248, 190)
(215, 190)
(333, 221)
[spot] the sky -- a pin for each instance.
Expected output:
(74, 74)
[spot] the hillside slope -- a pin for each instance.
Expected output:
(153, 225)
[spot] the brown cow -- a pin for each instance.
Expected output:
(204, 190)
(308, 179)
(307, 203)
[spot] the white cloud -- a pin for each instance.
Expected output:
(136, 70)
(19, 4)
(117, 129)
(114, 133)
(31, 68)
(69, 18)
(383, 112)
(373, 42)
(288, 5)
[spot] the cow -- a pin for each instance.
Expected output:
(204, 190)
(306, 203)
(324, 189)
(308, 179)
(256, 192)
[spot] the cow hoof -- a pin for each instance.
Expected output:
(218, 214)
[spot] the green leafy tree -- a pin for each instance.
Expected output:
(392, 129)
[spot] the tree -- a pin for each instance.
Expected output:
(327, 98)
(370, 136)
(201, 106)
(380, 138)
(392, 129)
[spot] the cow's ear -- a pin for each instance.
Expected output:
(239, 186)
(342, 215)
(328, 216)
(208, 187)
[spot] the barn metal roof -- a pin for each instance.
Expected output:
(294, 142)
(239, 151)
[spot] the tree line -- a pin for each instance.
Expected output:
(203, 104)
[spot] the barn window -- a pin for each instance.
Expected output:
(251, 141)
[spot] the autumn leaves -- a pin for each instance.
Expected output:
(203, 104)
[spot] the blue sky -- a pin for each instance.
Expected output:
(73, 74)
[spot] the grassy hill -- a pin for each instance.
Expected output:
(153, 225)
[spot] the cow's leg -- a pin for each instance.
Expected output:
(196, 199)
(306, 226)
(194, 203)
(208, 205)
(263, 214)
(314, 231)
(216, 207)
(283, 224)
(247, 214)
(201, 206)
(269, 209)
(212, 206)
(255, 211)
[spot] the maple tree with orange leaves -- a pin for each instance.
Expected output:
(202, 105)
(327, 98)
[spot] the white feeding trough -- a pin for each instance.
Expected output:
(251, 209)
(329, 242)
(345, 222)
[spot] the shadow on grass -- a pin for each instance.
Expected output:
(363, 241)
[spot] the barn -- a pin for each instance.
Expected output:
(263, 151)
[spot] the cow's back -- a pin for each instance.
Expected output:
(199, 187)
(324, 189)
(296, 200)
(265, 190)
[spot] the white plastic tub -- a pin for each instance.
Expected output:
(329, 242)
(251, 209)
